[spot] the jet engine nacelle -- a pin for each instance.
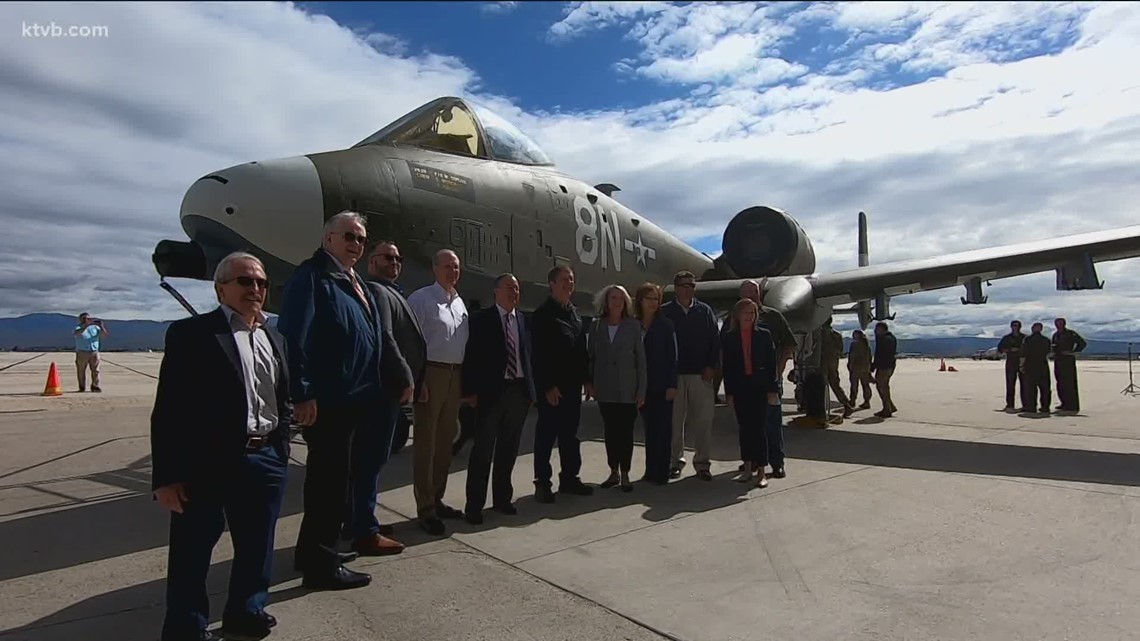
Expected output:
(762, 241)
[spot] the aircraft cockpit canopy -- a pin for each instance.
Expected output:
(455, 126)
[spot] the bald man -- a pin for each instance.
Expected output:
(443, 318)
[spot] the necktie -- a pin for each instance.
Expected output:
(359, 290)
(512, 350)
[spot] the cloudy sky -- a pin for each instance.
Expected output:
(955, 126)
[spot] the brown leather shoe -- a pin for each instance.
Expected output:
(377, 545)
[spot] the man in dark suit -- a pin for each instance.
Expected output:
(497, 382)
(220, 450)
(385, 264)
(342, 362)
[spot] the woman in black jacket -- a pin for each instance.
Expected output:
(750, 384)
(661, 366)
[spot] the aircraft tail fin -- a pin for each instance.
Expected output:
(863, 307)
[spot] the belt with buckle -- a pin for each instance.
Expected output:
(445, 365)
(256, 442)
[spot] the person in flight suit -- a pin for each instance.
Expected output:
(1034, 365)
(1010, 345)
(832, 352)
(1066, 343)
(859, 367)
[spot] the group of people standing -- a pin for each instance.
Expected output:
(349, 351)
(1027, 364)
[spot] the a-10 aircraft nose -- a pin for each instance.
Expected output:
(273, 208)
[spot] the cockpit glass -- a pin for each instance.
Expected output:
(450, 128)
(507, 143)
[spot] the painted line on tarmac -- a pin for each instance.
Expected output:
(130, 369)
(20, 363)
(63, 456)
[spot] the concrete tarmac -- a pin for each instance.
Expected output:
(954, 520)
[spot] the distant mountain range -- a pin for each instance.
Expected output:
(53, 332)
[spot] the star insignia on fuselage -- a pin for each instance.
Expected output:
(641, 250)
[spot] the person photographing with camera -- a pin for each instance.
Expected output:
(87, 335)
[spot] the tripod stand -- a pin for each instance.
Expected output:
(1132, 389)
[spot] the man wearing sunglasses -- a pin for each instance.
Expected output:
(371, 448)
(343, 362)
(220, 452)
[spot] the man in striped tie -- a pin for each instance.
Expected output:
(497, 382)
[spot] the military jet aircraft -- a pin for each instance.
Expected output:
(453, 174)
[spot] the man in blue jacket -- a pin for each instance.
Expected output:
(340, 358)
(698, 356)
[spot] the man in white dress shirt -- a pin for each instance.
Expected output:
(443, 319)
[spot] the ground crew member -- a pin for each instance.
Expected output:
(859, 367)
(832, 352)
(1066, 343)
(1010, 345)
(883, 365)
(1034, 365)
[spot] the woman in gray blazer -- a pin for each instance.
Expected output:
(617, 378)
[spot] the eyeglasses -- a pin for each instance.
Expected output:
(394, 258)
(350, 237)
(247, 281)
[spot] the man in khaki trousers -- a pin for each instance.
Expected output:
(443, 319)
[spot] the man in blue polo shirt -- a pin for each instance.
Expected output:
(87, 335)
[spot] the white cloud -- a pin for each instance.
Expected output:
(499, 7)
(100, 138)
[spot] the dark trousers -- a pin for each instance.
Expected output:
(815, 394)
(247, 494)
(558, 423)
(371, 449)
(752, 421)
(775, 431)
(657, 415)
(327, 484)
(498, 429)
(1065, 369)
(618, 420)
(1034, 383)
(1013, 378)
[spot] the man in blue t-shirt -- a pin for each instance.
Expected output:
(87, 335)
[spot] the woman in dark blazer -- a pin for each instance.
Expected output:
(617, 378)
(661, 383)
(750, 382)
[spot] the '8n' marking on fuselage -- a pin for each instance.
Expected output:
(601, 230)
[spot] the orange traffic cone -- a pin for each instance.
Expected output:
(942, 367)
(53, 387)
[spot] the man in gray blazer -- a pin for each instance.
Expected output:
(617, 378)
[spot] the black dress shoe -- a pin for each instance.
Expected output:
(247, 627)
(675, 473)
(507, 509)
(473, 517)
(433, 526)
(778, 472)
(542, 494)
(576, 487)
(204, 635)
(299, 562)
(704, 475)
(447, 512)
(341, 578)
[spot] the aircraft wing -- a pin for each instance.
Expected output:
(1073, 256)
